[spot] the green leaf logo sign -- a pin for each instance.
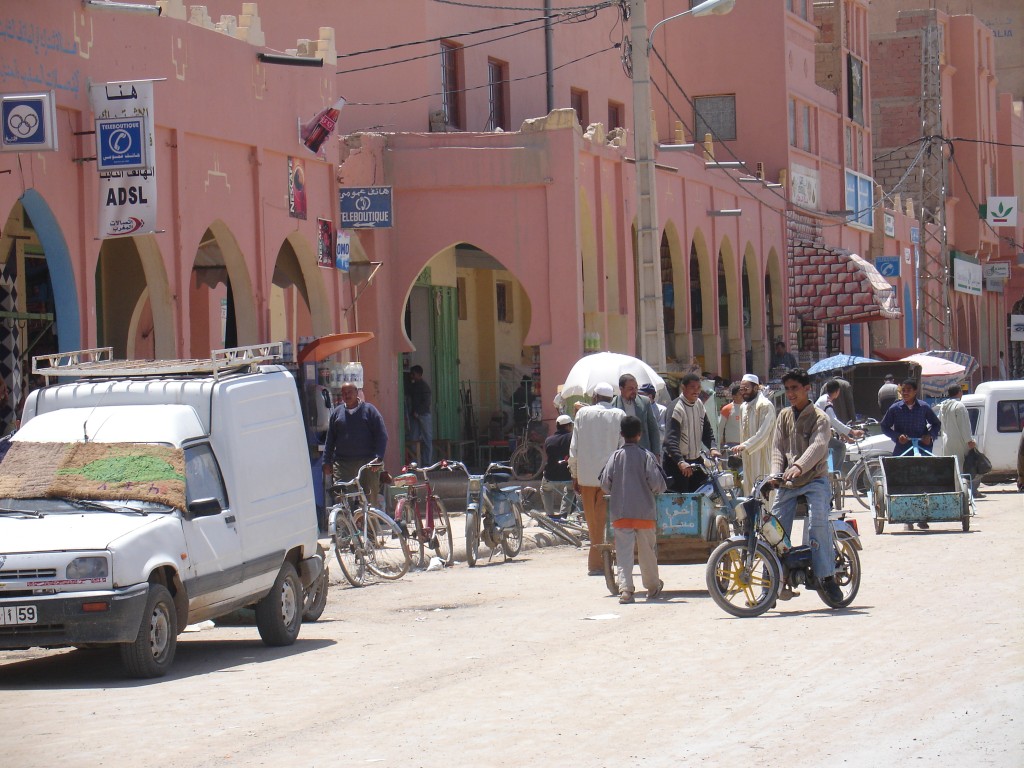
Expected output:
(1001, 213)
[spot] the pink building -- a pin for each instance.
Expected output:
(512, 250)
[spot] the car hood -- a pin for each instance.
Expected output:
(68, 531)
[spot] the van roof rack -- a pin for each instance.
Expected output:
(100, 363)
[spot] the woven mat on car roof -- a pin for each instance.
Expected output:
(103, 471)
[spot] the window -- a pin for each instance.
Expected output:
(497, 92)
(715, 115)
(616, 113)
(792, 122)
(806, 128)
(503, 299)
(855, 89)
(799, 7)
(451, 84)
(1010, 416)
(860, 200)
(579, 101)
(202, 475)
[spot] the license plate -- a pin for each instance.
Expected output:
(18, 614)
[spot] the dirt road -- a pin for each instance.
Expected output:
(533, 663)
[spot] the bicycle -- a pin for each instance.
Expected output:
(570, 528)
(366, 541)
(859, 481)
(494, 514)
(527, 460)
(419, 506)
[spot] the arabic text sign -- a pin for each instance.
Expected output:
(966, 276)
(28, 122)
(127, 199)
(366, 207)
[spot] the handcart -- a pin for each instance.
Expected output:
(689, 527)
(920, 488)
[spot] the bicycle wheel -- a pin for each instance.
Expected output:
(409, 510)
(859, 485)
(472, 536)
(527, 461)
(349, 551)
(388, 553)
(512, 538)
(441, 540)
(553, 526)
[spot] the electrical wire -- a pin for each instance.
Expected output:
(476, 87)
(991, 143)
(836, 221)
(952, 158)
(595, 7)
(510, 8)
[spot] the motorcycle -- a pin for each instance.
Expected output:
(748, 573)
(494, 514)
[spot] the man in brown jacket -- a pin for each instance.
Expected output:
(800, 455)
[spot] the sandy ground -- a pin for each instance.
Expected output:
(531, 662)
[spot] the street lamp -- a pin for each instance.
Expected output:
(651, 331)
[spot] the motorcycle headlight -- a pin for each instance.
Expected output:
(474, 485)
(88, 568)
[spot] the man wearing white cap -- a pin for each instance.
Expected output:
(595, 436)
(556, 477)
(757, 425)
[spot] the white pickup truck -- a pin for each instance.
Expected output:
(148, 495)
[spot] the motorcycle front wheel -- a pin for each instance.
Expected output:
(847, 574)
(738, 589)
(512, 538)
(472, 536)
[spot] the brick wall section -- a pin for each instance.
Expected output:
(826, 285)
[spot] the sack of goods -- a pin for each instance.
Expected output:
(976, 463)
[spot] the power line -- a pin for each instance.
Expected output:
(983, 141)
(596, 7)
(510, 8)
(952, 157)
(476, 87)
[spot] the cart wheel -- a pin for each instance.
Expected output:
(965, 516)
(722, 526)
(608, 558)
(878, 502)
(879, 524)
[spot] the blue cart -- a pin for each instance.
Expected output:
(922, 489)
(689, 526)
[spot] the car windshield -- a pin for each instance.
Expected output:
(40, 507)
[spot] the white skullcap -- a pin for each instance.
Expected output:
(604, 389)
(563, 420)
(751, 378)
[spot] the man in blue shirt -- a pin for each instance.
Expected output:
(356, 435)
(909, 418)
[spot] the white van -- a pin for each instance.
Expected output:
(996, 409)
(149, 495)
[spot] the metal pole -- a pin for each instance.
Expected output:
(650, 314)
(549, 55)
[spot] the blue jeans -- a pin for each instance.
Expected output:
(421, 428)
(819, 502)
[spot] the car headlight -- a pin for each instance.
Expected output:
(88, 568)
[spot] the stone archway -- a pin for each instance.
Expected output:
(754, 309)
(703, 319)
(222, 308)
(298, 295)
(732, 364)
(678, 346)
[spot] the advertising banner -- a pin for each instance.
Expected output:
(125, 157)
(966, 276)
(314, 133)
(343, 255)
(325, 243)
(1016, 327)
(296, 188)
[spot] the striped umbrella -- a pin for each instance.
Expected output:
(962, 358)
(937, 374)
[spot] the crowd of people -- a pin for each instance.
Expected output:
(626, 447)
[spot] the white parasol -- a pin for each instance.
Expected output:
(591, 370)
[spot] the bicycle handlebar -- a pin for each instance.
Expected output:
(374, 465)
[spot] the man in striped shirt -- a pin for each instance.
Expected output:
(688, 432)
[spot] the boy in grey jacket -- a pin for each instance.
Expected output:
(632, 476)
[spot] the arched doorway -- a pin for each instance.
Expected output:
(298, 293)
(704, 330)
(38, 297)
(222, 310)
(133, 299)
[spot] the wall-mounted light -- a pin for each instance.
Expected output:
(724, 165)
(841, 213)
(762, 182)
(112, 5)
(294, 61)
(676, 147)
(726, 212)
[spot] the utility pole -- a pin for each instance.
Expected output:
(934, 314)
(650, 313)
